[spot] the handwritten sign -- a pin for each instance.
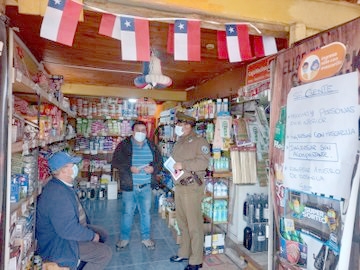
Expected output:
(322, 135)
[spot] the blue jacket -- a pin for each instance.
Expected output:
(57, 225)
(122, 160)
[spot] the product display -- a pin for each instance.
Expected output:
(256, 215)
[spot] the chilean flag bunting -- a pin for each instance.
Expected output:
(187, 40)
(135, 39)
(60, 21)
(264, 45)
(238, 42)
(110, 26)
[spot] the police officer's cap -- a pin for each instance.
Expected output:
(182, 117)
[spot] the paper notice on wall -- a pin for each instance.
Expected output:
(322, 136)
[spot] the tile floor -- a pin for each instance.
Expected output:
(106, 213)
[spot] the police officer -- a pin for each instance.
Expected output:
(191, 154)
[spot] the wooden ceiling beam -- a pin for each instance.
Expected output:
(123, 92)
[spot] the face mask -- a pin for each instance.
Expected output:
(75, 171)
(179, 130)
(140, 136)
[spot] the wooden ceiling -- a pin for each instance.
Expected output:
(95, 59)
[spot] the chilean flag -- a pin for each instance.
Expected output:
(110, 26)
(264, 45)
(135, 39)
(187, 40)
(238, 42)
(60, 21)
(221, 45)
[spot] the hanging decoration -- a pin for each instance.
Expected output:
(110, 26)
(221, 45)
(187, 40)
(238, 42)
(60, 21)
(61, 18)
(135, 39)
(263, 45)
(152, 76)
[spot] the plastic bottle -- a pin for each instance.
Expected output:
(279, 137)
(254, 238)
(246, 206)
(258, 210)
(247, 238)
(218, 106)
(225, 105)
(251, 213)
(266, 236)
(266, 210)
(225, 211)
(102, 192)
(260, 239)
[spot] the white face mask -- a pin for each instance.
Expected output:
(75, 169)
(139, 136)
(179, 131)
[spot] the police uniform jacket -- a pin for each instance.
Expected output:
(193, 152)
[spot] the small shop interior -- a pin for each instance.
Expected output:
(274, 193)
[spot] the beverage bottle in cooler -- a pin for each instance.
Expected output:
(246, 206)
(266, 236)
(266, 209)
(251, 213)
(254, 238)
(258, 211)
(260, 239)
(247, 238)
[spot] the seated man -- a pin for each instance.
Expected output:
(62, 229)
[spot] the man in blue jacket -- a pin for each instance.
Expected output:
(62, 229)
(139, 162)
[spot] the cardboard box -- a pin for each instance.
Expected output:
(214, 244)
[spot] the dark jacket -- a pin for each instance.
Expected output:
(122, 160)
(57, 225)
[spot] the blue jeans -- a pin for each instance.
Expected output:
(140, 197)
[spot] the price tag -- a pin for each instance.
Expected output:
(93, 152)
(107, 117)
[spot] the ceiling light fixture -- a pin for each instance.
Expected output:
(210, 46)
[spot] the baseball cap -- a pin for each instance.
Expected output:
(60, 159)
(182, 117)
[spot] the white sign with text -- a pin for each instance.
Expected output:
(322, 136)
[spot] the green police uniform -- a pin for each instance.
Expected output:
(193, 152)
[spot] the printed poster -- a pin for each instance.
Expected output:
(322, 136)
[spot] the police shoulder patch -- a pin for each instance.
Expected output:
(205, 149)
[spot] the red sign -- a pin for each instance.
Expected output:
(258, 71)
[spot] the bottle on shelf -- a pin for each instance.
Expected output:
(247, 237)
(260, 238)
